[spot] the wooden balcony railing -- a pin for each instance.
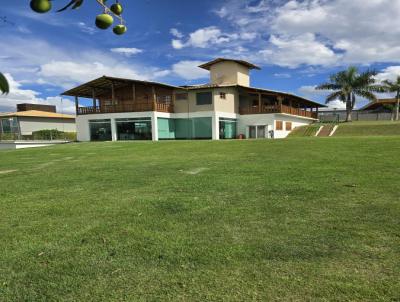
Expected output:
(278, 109)
(120, 108)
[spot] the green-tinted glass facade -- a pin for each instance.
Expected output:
(227, 128)
(193, 128)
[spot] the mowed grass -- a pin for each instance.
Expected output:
(290, 220)
(368, 128)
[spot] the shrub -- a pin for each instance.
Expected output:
(53, 134)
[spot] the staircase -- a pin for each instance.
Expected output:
(327, 130)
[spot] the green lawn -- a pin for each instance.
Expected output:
(369, 128)
(304, 219)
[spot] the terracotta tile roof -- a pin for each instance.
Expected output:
(36, 113)
(208, 65)
(374, 105)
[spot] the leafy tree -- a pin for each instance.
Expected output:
(394, 87)
(4, 87)
(348, 84)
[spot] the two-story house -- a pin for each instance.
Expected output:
(226, 108)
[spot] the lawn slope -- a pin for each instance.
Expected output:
(375, 128)
(304, 219)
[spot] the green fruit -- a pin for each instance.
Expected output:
(117, 9)
(120, 29)
(104, 21)
(41, 6)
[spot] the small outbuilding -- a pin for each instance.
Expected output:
(30, 118)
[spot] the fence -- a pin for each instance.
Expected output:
(356, 116)
(43, 135)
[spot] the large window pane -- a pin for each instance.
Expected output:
(204, 98)
(166, 128)
(9, 125)
(195, 128)
(100, 130)
(227, 128)
(134, 129)
(202, 128)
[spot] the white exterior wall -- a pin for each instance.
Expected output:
(270, 120)
(32, 124)
(82, 123)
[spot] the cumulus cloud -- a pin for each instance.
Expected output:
(189, 70)
(389, 73)
(66, 69)
(20, 95)
(340, 32)
(295, 51)
(176, 33)
(126, 51)
(210, 36)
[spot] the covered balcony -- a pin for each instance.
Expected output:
(116, 95)
(260, 101)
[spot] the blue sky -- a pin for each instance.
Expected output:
(298, 44)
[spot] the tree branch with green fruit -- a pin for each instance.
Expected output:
(103, 21)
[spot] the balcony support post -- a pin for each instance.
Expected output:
(94, 98)
(76, 105)
(153, 93)
(112, 93)
(259, 103)
(134, 93)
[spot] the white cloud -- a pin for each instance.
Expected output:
(283, 75)
(176, 33)
(337, 105)
(343, 32)
(48, 64)
(390, 73)
(129, 52)
(86, 28)
(19, 95)
(210, 36)
(189, 70)
(177, 44)
(294, 51)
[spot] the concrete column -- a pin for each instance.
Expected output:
(113, 130)
(215, 127)
(154, 126)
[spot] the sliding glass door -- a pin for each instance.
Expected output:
(100, 130)
(134, 129)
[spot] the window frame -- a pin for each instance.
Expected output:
(279, 125)
(204, 93)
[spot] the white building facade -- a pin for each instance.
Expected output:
(226, 108)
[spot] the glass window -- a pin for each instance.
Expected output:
(222, 95)
(181, 96)
(204, 98)
(100, 130)
(279, 125)
(134, 129)
(227, 128)
(289, 126)
(9, 125)
(252, 132)
(261, 132)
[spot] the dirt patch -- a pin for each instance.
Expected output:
(196, 171)
(7, 171)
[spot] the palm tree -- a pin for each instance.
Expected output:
(4, 87)
(348, 84)
(393, 86)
